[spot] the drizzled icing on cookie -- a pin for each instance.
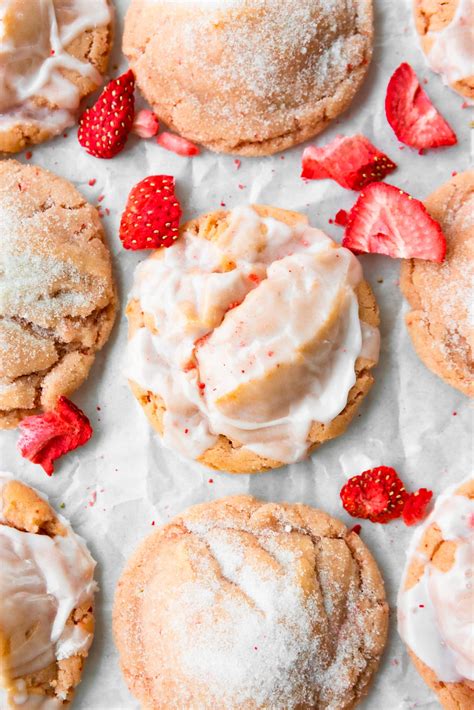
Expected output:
(436, 615)
(452, 51)
(43, 579)
(254, 334)
(34, 60)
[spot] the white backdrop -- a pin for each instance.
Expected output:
(407, 421)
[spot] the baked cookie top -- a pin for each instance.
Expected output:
(53, 53)
(250, 337)
(57, 296)
(249, 76)
(446, 32)
(436, 599)
(441, 322)
(46, 601)
(243, 604)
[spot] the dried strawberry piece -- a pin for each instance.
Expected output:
(177, 144)
(386, 220)
(341, 218)
(377, 495)
(146, 124)
(352, 161)
(104, 128)
(416, 506)
(46, 437)
(152, 215)
(412, 116)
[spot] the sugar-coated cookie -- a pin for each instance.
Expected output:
(54, 52)
(436, 598)
(241, 604)
(446, 32)
(252, 339)
(441, 295)
(249, 76)
(46, 602)
(57, 296)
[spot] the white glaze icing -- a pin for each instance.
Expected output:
(34, 37)
(42, 580)
(452, 52)
(436, 615)
(282, 335)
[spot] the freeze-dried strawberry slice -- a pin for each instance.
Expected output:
(104, 128)
(386, 220)
(414, 119)
(378, 495)
(146, 124)
(352, 161)
(46, 437)
(177, 144)
(151, 217)
(416, 506)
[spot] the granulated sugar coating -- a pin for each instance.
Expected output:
(250, 77)
(441, 322)
(57, 298)
(242, 604)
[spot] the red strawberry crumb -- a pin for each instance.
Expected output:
(45, 437)
(241, 187)
(222, 204)
(255, 278)
(28, 155)
(386, 220)
(352, 161)
(104, 128)
(412, 116)
(377, 495)
(177, 144)
(146, 124)
(152, 522)
(152, 214)
(237, 163)
(416, 506)
(454, 173)
(341, 218)
(455, 414)
(92, 182)
(101, 198)
(211, 480)
(202, 386)
(465, 105)
(356, 529)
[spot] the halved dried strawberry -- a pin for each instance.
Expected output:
(177, 144)
(386, 220)
(46, 437)
(104, 128)
(151, 217)
(416, 506)
(352, 161)
(414, 119)
(377, 495)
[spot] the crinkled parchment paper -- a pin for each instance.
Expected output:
(123, 479)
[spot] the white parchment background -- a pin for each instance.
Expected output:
(407, 421)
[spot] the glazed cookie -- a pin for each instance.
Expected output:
(243, 604)
(252, 339)
(54, 52)
(57, 296)
(46, 602)
(441, 295)
(249, 76)
(446, 32)
(436, 599)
